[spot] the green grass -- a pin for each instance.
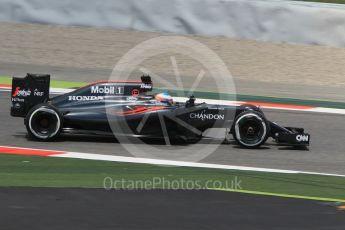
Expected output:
(16, 170)
(255, 98)
(67, 84)
(54, 83)
(5, 80)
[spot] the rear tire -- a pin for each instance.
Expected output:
(251, 129)
(44, 122)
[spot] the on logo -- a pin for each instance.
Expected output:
(302, 138)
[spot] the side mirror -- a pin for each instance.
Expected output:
(190, 102)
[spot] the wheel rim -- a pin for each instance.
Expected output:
(250, 129)
(44, 123)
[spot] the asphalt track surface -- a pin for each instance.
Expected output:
(325, 155)
(42, 208)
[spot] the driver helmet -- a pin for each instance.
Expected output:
(164, 97)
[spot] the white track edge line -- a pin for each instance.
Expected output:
(91, 156)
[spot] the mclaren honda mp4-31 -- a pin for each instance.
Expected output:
(128, 109)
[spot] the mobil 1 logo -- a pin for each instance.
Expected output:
(104, 89)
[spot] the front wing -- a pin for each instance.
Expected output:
(290, 136)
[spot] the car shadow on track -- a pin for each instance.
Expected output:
(154, 141)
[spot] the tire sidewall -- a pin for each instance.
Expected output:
(251, 107)
(259, 116)
(29, 118)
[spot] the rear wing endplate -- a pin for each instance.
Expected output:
(28, 92)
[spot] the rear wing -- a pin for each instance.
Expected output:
(28, 92)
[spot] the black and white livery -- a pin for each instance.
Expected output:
(128, 109)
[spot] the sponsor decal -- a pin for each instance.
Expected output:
(85, 98)
(16, 99)
(21, 92)
(145, 86)
(207, 116)
(135, 92)
(107, 89)
(301, 138)
(131, 98)
(38, 93)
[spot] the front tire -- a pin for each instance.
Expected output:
(251, 129)
(250, 107)
(44, 122)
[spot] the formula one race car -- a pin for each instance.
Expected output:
(127, 109)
